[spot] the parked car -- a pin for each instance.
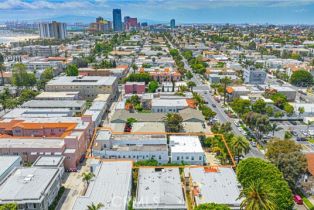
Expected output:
(214, 105)
(298, 200)
(293, 122)
(253, 143)
(294, 133)
(301, 139)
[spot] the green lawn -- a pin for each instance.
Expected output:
(311, 141)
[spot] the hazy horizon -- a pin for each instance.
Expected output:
(161, 11)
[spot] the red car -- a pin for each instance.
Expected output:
(298, 199)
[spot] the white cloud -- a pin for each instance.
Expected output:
(145, 4)
(42, 4)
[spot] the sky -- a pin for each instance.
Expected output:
(154, 11)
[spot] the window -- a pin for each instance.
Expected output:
(178, 158)
(200, 157)
(192, 158)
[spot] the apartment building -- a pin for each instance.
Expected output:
(187, 149)
(111, 186)
(88, 86)
(131, 146)
(34, 187)
(159, 188)
(32, 137)
(134, 88)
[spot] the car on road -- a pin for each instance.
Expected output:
(237, 123)
(301, 139)
(214, 105)
(253, 143)
(297, 199)
(293, 122)
(294, 133)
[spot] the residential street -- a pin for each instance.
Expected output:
(203, 90)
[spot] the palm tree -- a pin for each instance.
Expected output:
(240, 145)
(95, 206)
(257, 196)
(309, 123)
(225, 81)
(87, 177)
(274, 127)
(1, 68)
(190, 85)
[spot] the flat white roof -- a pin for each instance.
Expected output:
(57, 95)
(33, 143)
(27, 184)
(83, 80)
(159, 189)
(185, 144)
(54, 104)
(216, 187)
(170, 102)
(111, 186)
(53, 161)
(6, 162)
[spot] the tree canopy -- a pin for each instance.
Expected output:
(71, 70)
(252, 169)
(139, 77)
(288, 157)
(301, 78)
(212, 206)
(152, 86)
(20, 76)
(173, 122)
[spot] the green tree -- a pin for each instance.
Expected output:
(301, 110)
(225, 82)
(288, 109)
(26, 95)
(139, 77)
(21, 78)
(134, 67)
(301, 78)
(95, 206)
(173, 122)
(279, 100)
(9, 206)
(190, 85)
(152, 86)
(87, 177)
(45, 77)
(274, 127)
(240, 145)
(130, 121)
(189, 75)
(1, 68)
(240, 106)
(72, 70)
(259, 106)
(212, 206)
(269, 111)
(257, 196)
(252, 169)
(252, 45)
(288, 157)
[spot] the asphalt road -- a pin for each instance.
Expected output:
(203, 89)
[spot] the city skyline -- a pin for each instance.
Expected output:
(161, 11)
